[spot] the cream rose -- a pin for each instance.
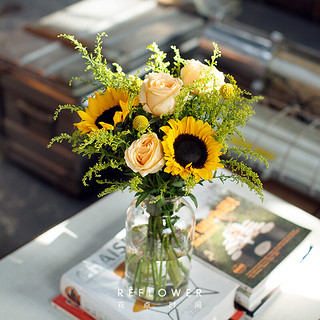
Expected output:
(193, 69)
(157, 93)
(145, 155)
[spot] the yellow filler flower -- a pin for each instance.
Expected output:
(190, 149)
(104, 110)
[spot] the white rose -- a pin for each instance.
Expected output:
(145, 155)
(158, 92)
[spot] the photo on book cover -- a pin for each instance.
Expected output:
(243, 239)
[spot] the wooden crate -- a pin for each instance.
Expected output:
(34, 82)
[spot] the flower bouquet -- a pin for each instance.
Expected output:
(165, 133)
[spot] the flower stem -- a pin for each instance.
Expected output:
(158, 267)
(136, 274)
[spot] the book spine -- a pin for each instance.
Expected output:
(65, 312)
(248, 302)
(251, 300)
(84, 284)
(70, 309)
(81, 296)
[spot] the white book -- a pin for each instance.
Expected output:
(97, 285)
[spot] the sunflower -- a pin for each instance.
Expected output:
(190, 149)
(104, 110)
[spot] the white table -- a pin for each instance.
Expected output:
(29, 277)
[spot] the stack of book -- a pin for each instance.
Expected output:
(96, 285)
(242, 253)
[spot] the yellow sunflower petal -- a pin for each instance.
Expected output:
(84, 115)
(106, 126)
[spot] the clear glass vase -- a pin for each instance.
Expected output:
(159, 242)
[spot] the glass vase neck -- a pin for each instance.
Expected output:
(167, 206)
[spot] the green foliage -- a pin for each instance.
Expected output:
(70, 107)
(178, 62)
(156, 61)
(60, 138)
(244, 175)
(215, 55)
(248, 154)
(97, 64)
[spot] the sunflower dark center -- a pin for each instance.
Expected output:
(189, 148)
(107, 116)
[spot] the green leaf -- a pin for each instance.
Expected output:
(194, 199)
(142, 196)
(160, 202)
(159, 180)
(178, 184)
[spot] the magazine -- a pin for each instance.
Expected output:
(97, 286)
(249, 244)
